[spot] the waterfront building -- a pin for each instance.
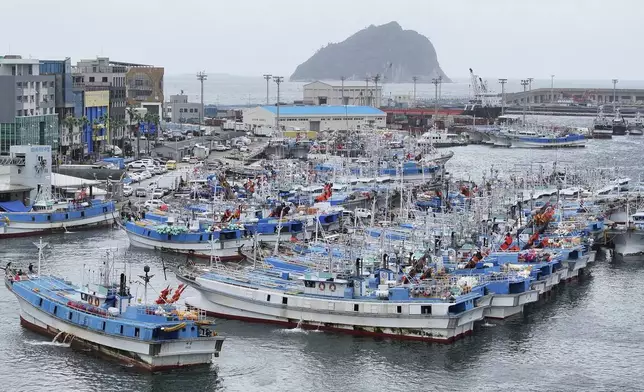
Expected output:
(144, 88)
(315, 118)
(101, 74)
(342, 93)
(179, 110)
(64, 100)
(27, 104)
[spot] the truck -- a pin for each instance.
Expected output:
(263, 131)
(200, 152)
(170, 181)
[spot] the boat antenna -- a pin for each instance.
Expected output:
(40, 245)
(146, 280)
(165, 276)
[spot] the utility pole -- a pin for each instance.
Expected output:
(201, 76)
(614, 93)
(503, 82)
(525, 84)
(376, 79)
(440, 87)
(552, 88)
(268, 78)
(278, 80)
(436, 82)
(530, 91)
(342, 78)
(415, 79)
(366, 90)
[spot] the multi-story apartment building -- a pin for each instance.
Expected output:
(27, 104)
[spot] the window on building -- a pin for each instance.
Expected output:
(30, 69)
(51, 84)
(31, 112)
(18, 113)
(91, 79)
(51, 97)
(19, 98)
(104, 79)
(19, 84)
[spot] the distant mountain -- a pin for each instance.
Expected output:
(388, 50)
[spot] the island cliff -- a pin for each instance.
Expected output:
(395, 54)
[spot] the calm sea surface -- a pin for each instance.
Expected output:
(587, 338)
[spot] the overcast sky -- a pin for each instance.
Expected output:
(573, 39)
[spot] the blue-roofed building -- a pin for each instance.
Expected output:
(315, 118)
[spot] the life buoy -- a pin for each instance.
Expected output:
(322, 286)
(332, 287)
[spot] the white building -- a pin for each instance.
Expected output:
(315, 118)
(179, 110)
(332, 93)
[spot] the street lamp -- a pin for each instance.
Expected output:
(524, 83)
(503, 82)
(278, 80)
(614, 93)
(201, 76)
(268, 79)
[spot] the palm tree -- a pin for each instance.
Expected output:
(82, 122)
(115, 124)
(69, 122)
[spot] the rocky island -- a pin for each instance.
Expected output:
(395, 54)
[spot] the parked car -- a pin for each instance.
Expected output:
(135, 177)
(220, 147)
(171, 165)
(193, 160)
(136, 165)
(153, 204)
(158, 170)
(140, 192)
(166, 191)
(243, 149)
(146, 174)
(158, 193)
(127, 191)
(185, 159)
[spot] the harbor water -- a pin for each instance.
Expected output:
(587, 337)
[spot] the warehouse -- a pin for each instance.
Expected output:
(316, 118)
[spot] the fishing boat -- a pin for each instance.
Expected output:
(531, 139)
(48, 215)
(376, 304)
(620, 125)
(602, 127)
(103, 317)
(628, 239)
(636, 128)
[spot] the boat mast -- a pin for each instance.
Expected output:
(40, 245)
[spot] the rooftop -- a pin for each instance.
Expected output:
(325, 110)
(347, 83)
(10, 188)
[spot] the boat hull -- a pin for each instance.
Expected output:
(25, 229)
(240, 303)
(629, 242)
(619, 130)
(171, 355)
(518, 143)
(502, 306)
(602, 133)
(226, 251)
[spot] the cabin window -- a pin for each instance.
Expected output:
(309, 283)
(48, 217)
(137, 332)
(66, 216)
(285, 300)
(69, 315)
(121, 329)
(55, 309)
(183, 330)
(33, 218)
(268, 297)
(82, 214)
(426, 309)
(192, 328)
(40, 302)
(398, 309)
(356, 307)
(103, 326)
(200, 238)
